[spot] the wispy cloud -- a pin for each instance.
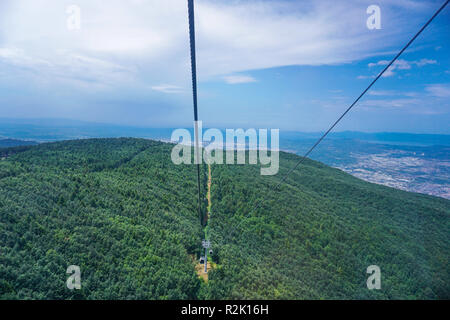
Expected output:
(382, 93)
(362, 77)
(235, 79)
(65, 68)
(439, 90)
(233, 36)
(401, 64)
(427, 101)
(424, 62)
(392, 93)
(390, 103)
(18, 57)
(167, 88)
(129, 48)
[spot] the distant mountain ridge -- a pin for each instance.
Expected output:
(402, 138)
(6, 143)
(64, 129)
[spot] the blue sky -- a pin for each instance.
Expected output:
(293, 65)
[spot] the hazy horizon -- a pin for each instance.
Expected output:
(65, 121)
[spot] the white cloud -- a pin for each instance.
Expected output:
(439, 90)
(389, 72)
(18, 57)
(167, 88)
(424, 62)
(382, 92)
(232, 36)
(133, 47)
(390, 103)
(400, 64)
(361, 77)
(391, 93)
(430, 101)
(235, 79)
(66, 67)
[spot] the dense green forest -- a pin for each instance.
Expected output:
(123, 212)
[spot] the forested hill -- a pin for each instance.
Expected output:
(123, 212)
(5, 143)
